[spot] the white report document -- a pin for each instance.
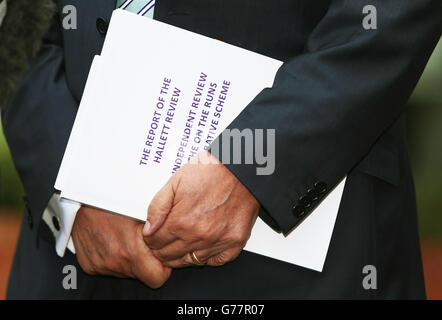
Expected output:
(155, 97)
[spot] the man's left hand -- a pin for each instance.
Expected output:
(204, 209)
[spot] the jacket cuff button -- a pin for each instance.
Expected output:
(305, 201)
(298, 210)
(321, 187)
(313, 194)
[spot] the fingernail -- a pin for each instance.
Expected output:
(146, 228)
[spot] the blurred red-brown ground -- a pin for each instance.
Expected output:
(432, 258)
(9, 229)
(10, 225)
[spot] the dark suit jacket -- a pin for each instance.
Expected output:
(337, 105)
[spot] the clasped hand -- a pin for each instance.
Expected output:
(203, 209)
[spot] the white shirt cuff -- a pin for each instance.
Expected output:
(59, 215)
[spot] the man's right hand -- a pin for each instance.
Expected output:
(112, 244)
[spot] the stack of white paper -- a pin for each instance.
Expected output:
(155, 96)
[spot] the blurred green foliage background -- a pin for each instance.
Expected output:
(11, 190)
(425, 142)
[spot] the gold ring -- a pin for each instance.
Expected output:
(195, 259)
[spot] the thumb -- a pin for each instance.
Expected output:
(159, 208)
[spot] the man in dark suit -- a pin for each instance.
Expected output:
(337, 105)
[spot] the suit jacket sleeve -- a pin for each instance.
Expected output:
(330, 104)
(37, 121)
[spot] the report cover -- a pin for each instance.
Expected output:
(156, 97)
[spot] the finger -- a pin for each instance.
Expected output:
(159, 208)
(148, 269)
(204, 255)
(163, 237)
(184, 261)
(174, 251)
(224, 257)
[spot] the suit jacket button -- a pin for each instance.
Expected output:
(56, 223)
(102, 26)
(313, 194)
(321, 187)
(298, 210)
(306, 201)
